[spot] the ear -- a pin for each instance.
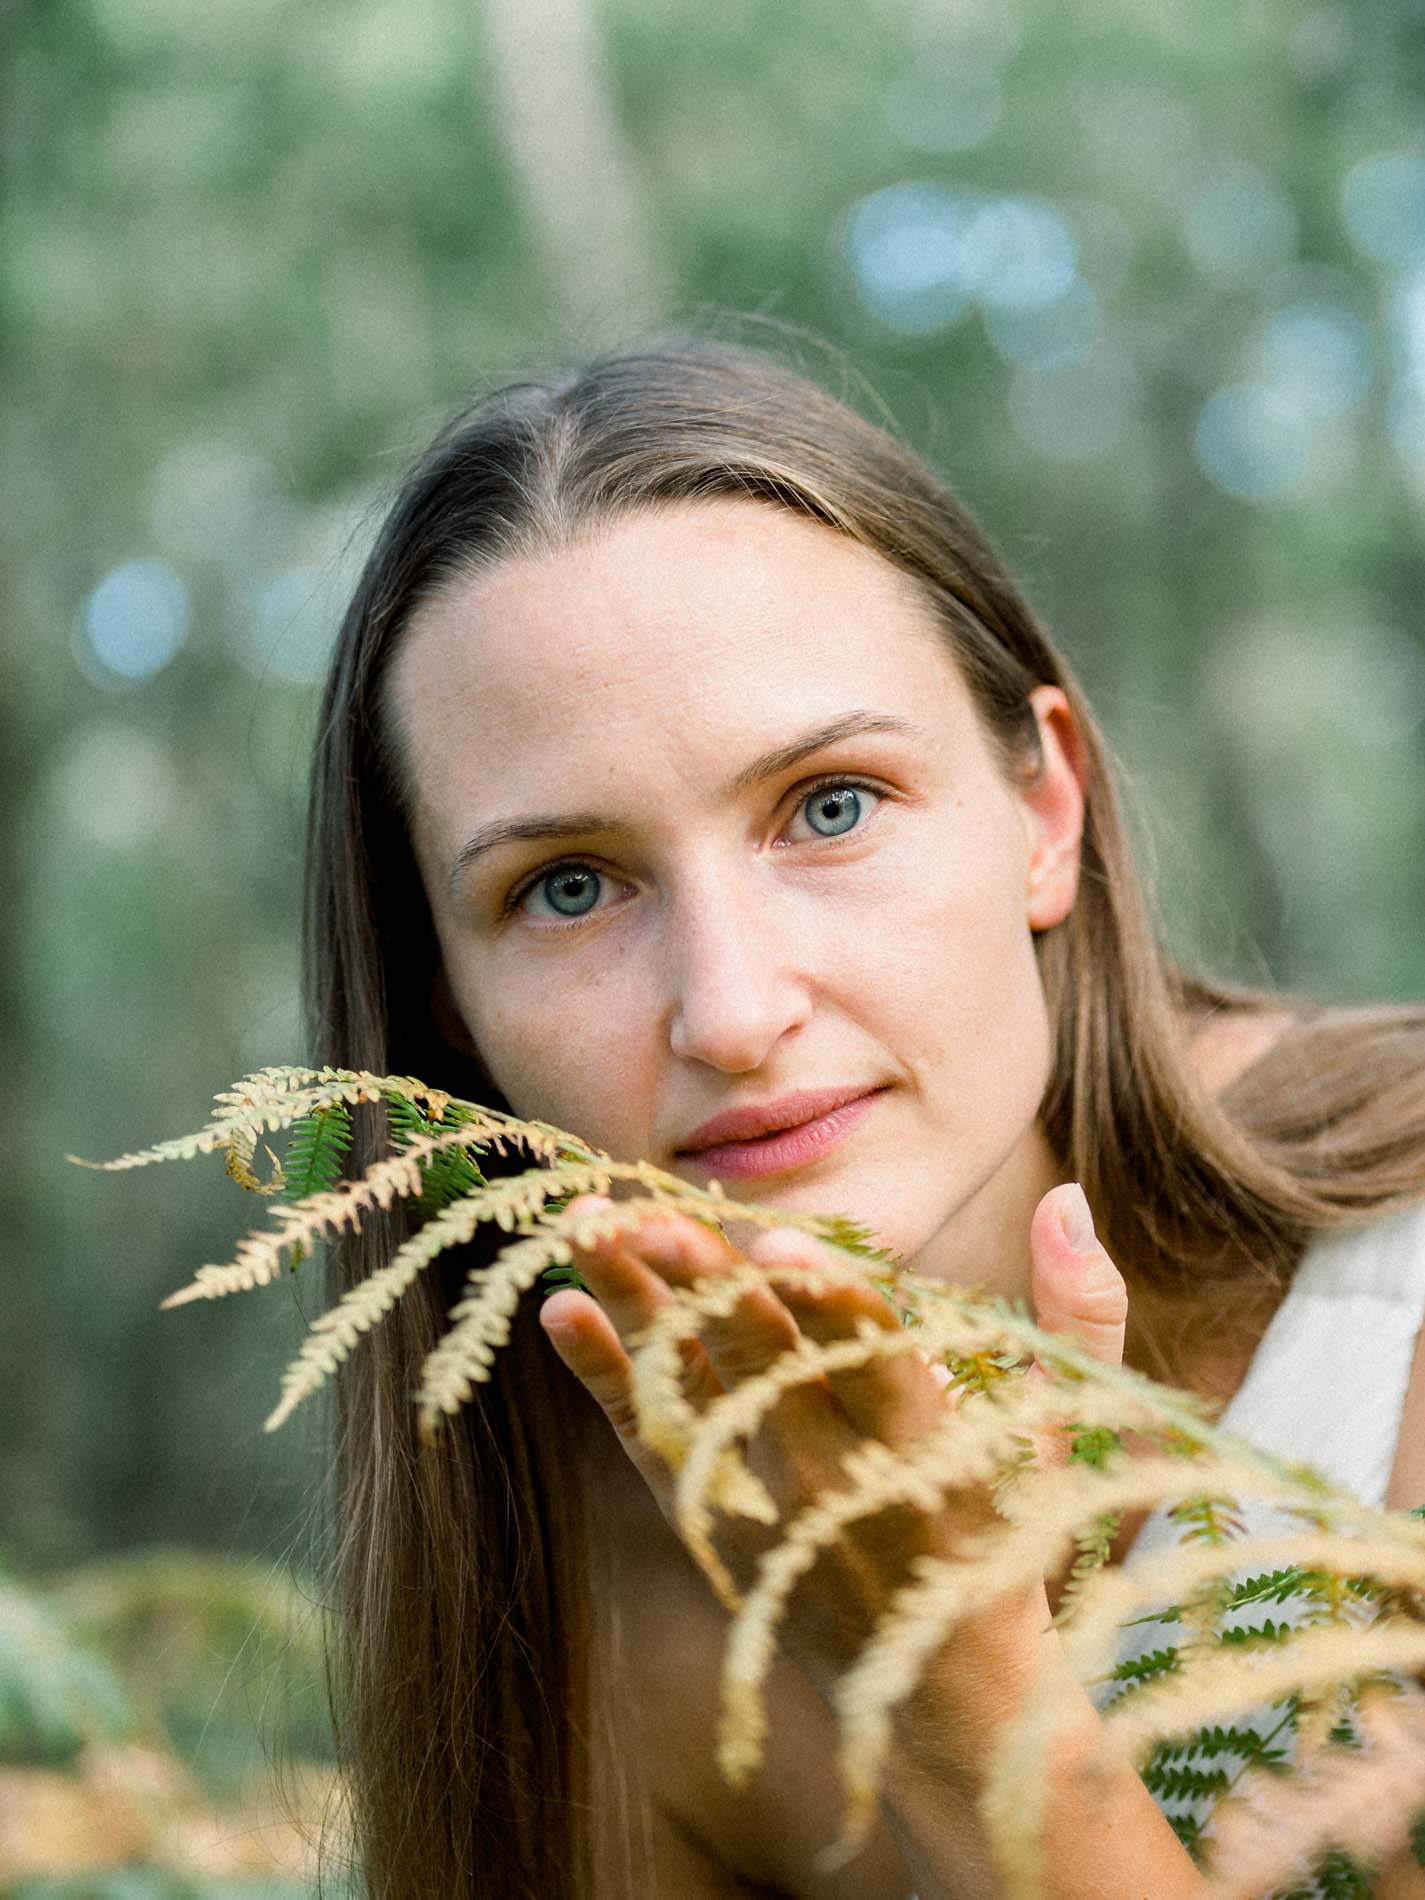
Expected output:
(1053, 807)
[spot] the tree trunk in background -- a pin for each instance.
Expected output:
(550, 92)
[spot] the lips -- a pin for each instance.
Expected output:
(768, 1118)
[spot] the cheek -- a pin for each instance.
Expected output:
(961, 964)
(553, 1049)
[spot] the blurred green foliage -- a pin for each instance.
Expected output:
(1148, 284)
(130, 1767)
(216, 1650)
(55, 1696)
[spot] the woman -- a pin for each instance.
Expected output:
(691, 775)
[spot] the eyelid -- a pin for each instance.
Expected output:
(514, 900)
(810, 787)
(525, 886)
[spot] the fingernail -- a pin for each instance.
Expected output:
(588, 1204)
(937, 1369)
(1076, 1221)
(560, 1331)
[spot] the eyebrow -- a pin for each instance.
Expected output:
(549, 825)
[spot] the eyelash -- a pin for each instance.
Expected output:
(805, 793)
(836, 779)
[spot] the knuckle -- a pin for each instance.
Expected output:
(1103, 1297)
(741, 1358)
(620, 1411)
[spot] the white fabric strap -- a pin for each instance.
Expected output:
(1328, 1382)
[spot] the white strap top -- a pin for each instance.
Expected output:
(1326, 1386)
(1328, 1381)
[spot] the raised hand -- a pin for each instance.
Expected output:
(799, 1452)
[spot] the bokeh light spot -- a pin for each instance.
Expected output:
(114, 785)
(1405, 425)
(906, 246)
(1021, 255)
(1318, 356)
(293, 625)
(133, 623)
(1407, 322)
(1384, 204)
(1240, 226)
(921, 255)
(1253, 442)
(1051, 337)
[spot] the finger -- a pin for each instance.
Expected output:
(811, 1274)
(631, 1273)
(585, 1339)
(587, 1342)
(894, 1396)
(1075, 1289)
(612, 1267)
(631, 1295)
(742, 1344)
(804, 1434)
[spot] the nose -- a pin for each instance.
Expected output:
(737, 984)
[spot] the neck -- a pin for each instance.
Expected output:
(1205, 1347)
(986, 1244)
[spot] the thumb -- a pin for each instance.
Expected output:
(1074, 1287)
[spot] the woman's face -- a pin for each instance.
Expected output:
(708, 824)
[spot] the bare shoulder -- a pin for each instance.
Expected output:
(1407, 1480)
(1225, 1044)
(1360, 1050)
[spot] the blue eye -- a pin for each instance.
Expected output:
(570, 890)
(832, 810)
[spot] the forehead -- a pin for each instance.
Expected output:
(687, 639)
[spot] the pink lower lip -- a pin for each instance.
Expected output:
(788, 1148)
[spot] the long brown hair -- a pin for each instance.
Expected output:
(469, 1688)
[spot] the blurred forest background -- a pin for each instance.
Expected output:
(1146, 281)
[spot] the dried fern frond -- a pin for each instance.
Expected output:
(266, 1101)
(1277, 1828)
(1268, 1707)
(434, 1141)
(298, 1227)
(238, 1158)
(481, 1320)
(336, 1331)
